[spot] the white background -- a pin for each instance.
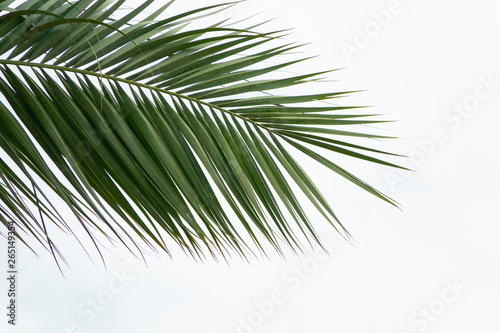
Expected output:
(428, 58)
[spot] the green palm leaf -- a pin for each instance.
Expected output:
(159, 130)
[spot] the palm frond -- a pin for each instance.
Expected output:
(159, 130)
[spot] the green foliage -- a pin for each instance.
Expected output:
(160, 130)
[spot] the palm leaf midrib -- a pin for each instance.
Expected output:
(134, 83)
